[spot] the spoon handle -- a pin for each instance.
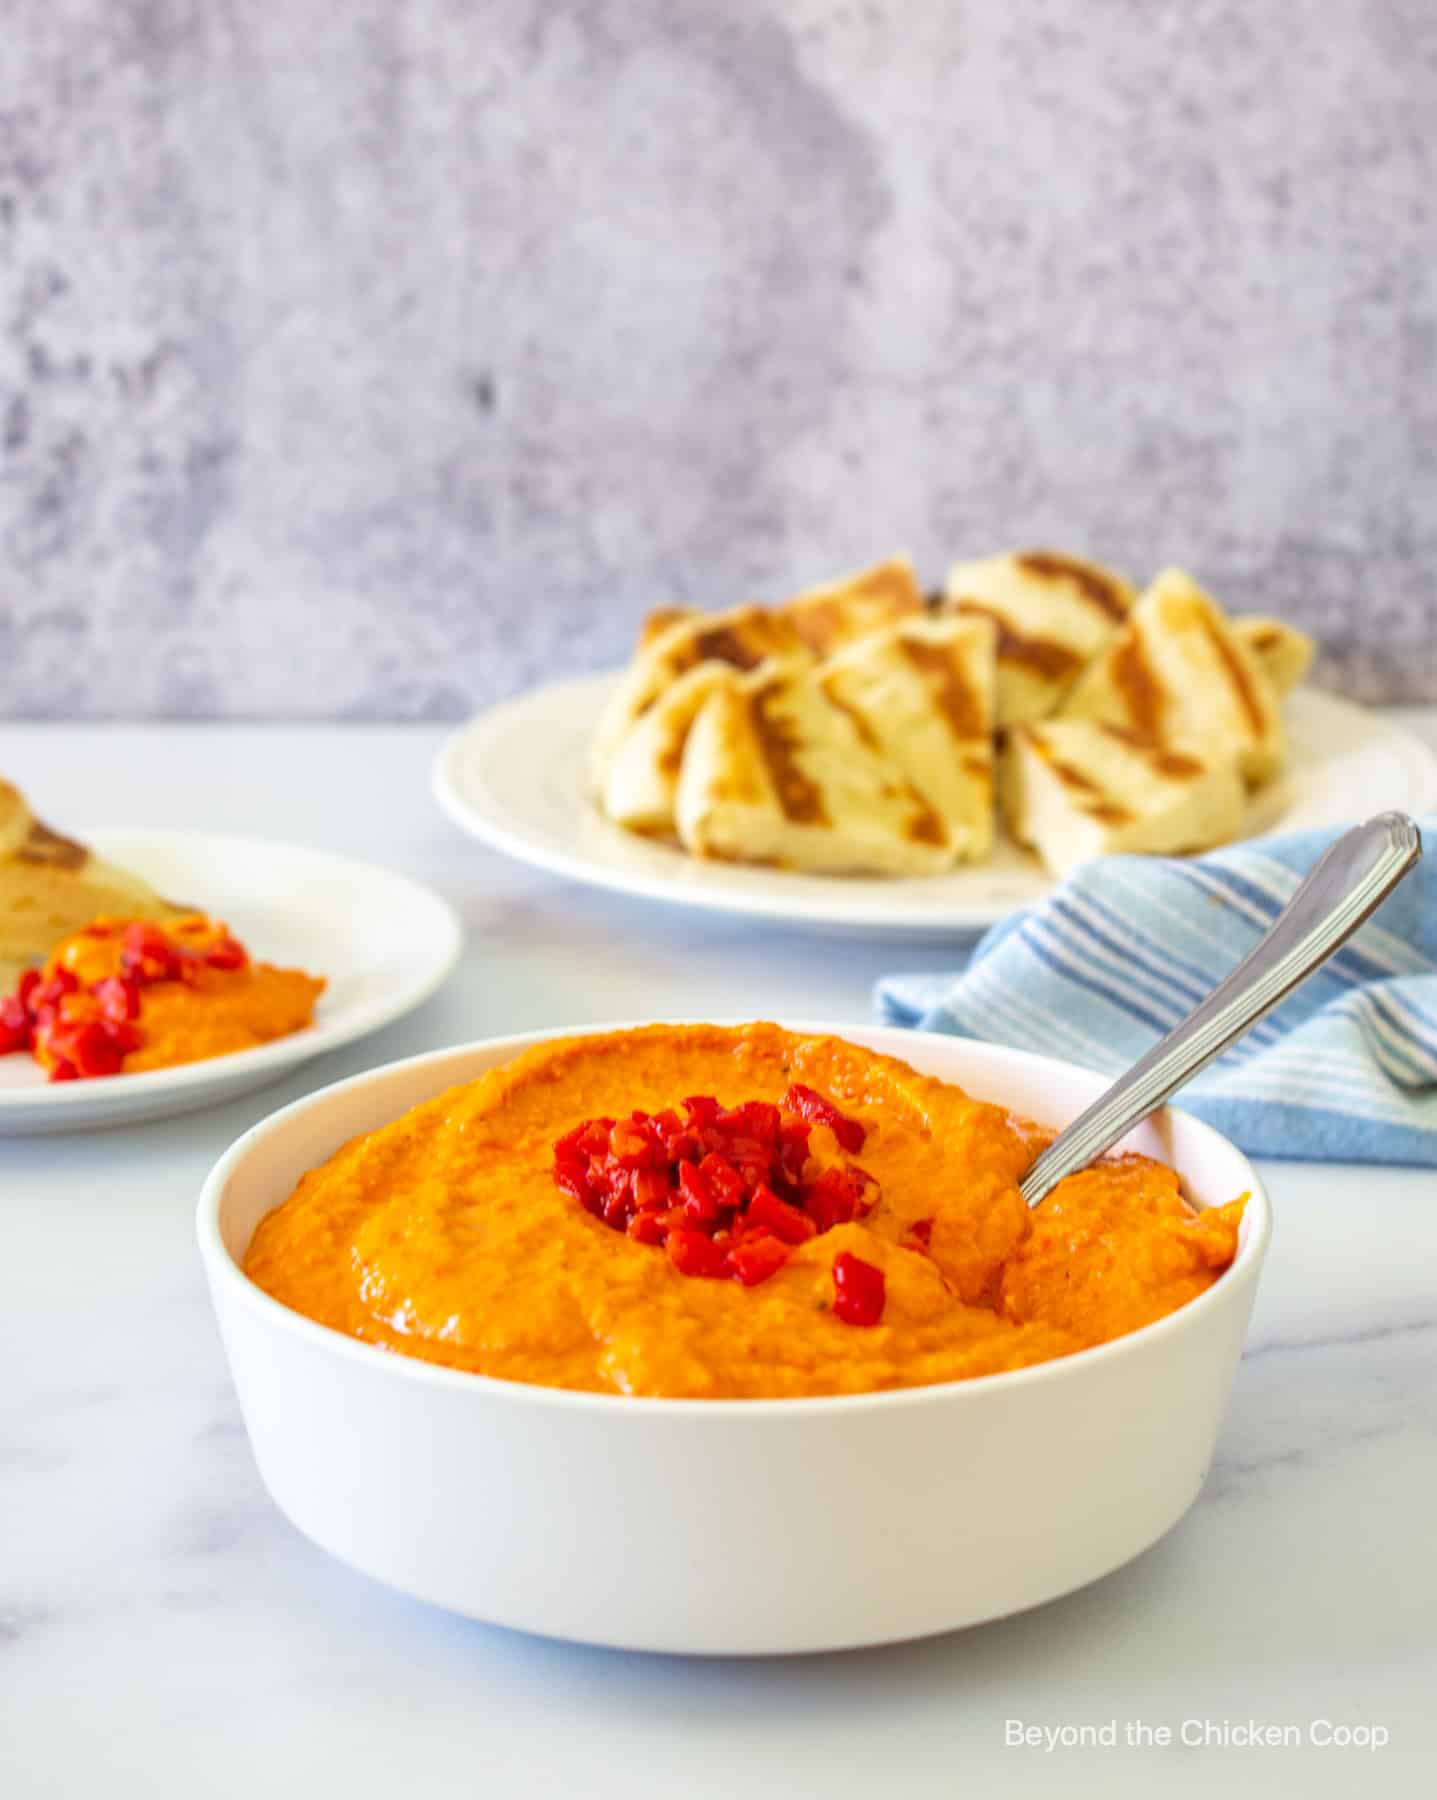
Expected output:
(1346, 884)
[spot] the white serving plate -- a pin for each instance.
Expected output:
(514, 778)
(719, 1527)
(384, 943)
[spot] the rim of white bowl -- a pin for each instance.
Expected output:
(1256, 1232)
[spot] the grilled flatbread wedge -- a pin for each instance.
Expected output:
(1054, 613)
(660, 620)
(51, 885)
(1073, 789)
(1178, 675)
(641, 782)
(829, 617)
(671, 644)
(922, 695)
(1284, 652)
(774, 772)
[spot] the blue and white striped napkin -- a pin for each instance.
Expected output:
(1345, 1070)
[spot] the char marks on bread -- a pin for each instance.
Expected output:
(828, 618)
(1053, 613)
(854, 728)
(675, 642)
(1284, 653)
(923, 695)
(774, 772)
(1073, 789)
(1179, 675)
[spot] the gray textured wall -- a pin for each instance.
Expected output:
(378, 358)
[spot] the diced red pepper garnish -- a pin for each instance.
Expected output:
(786, 1222)
(692, 1253)
(840, 1195)
(589, 1139)
(14, 1025)
(93, 1035)
(701, 1204)
(650, 1189)
(47, 995)
(728, 1192)
(758, 1257)
(226, 953)
(920, 1235)
(118, 997)
(811, 1105)
(148, 955)
(94, 1048)
(858, 1290)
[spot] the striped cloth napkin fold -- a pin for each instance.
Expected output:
(1343, 1071)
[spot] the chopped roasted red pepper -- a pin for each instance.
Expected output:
(840, 1195)
(46, 995)
(14, 1025)
(701, 1203)
(727, 1192)
(88, 1030)
(811, 1105)
(858, 1290)
(226, 953)
(692, 1253)
(94, 1046)
(118, 997)
(758, 1257)
(786, 1222)
(148, 955)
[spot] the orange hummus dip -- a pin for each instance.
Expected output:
(444, 1235)
(126, 995)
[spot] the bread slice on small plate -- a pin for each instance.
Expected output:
(1178, 675)
(1073, 789)
(1284, 653)
(673, 642)
(922, 695)
(829, 617)
(774, 772)
(1053, 614)
(52, 885)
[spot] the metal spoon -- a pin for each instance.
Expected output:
(1346, 884)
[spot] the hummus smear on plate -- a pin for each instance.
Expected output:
(711, 1212)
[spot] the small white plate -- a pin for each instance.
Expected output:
(514, 778)
(382, 942)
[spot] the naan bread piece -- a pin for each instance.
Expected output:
(922, 696)
(1284, 653)
(642, 778)
(1053, 613)
(742, 638)
(660, 620)
(829, 617)
(1073, 789)
(1178, 675)
(52, 885)
(775, 773)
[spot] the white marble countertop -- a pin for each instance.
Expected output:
(164, 1630)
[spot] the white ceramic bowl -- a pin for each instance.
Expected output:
(742, 1526)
